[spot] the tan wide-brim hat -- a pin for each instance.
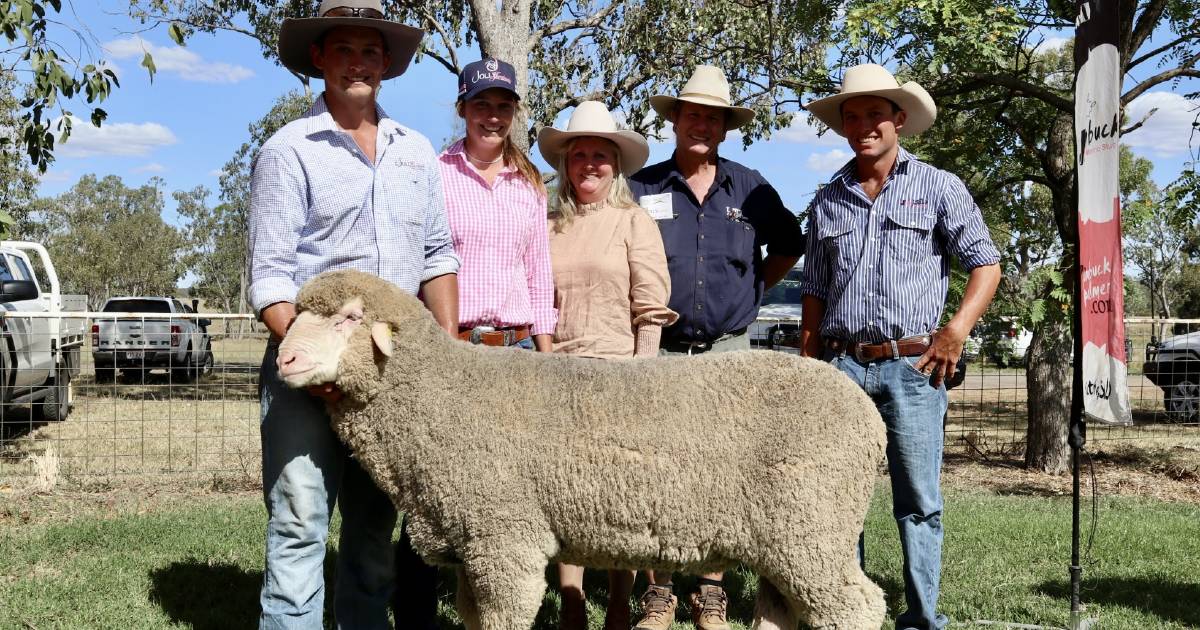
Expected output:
(870, 79)
(592, 118)
(706, 87)
(298, 34)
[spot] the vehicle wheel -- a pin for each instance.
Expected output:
(206, 366)
(57, 403)
(184, 372)
(772, 339)
(1183, 400)
(105, 374)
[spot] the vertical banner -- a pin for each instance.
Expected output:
(1097, 158)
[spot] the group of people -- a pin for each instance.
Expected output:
(625, 261)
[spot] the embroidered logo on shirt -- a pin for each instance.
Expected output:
(733, 214)
(913, 202)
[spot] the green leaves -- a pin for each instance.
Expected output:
(46, 77)
(175, 31)
(148, 64)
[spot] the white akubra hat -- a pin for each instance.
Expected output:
(870, 79)
(297, 34)
(706, 87)
(592, 118)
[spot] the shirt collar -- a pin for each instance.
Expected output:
(458, 152)
(723, 177)
(849, 177)
(320, 120)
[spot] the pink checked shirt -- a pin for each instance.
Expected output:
(500, 234)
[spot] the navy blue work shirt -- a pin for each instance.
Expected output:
(713, 249)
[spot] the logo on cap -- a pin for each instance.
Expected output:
(492, 65)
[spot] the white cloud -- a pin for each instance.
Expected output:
(179, 61)
(115, 139)
(1167, 132)
(802, 131)
(1053, 42)
(153, 167)
(828, 162)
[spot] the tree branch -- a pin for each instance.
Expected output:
(630, 82)
(590, 21)
(1146, 22)
(1020, 86)
(452, 63)
(1187, 69)
(1139, 123)
(1161, 49)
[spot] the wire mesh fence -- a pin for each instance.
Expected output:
(988, 410)
(149, 395)
(185, 401)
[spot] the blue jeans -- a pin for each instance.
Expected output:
(306, 469)
(912, 410)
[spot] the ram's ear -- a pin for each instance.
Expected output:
(381, 335)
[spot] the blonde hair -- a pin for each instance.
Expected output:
(512, 155)
(565, 207)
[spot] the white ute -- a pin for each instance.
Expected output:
(41, 334)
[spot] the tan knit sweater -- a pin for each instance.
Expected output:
(610, 283)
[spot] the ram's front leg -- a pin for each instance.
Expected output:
(506, 578)
(468, 607)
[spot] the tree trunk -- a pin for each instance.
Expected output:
(1048, 375)
(504, 34)
(1048, 394)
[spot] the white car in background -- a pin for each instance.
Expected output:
(1012, 345)
(779, 315)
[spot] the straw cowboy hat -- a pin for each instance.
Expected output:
(298, 34)
(591, 118)
(706, 87)
(870, 79)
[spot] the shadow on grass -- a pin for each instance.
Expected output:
(207, 596)
(1166, 599)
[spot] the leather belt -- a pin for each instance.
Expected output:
(494, 336)
(696, 347)
(915, 345)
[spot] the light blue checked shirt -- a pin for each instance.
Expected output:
(882, 268)
(317, 204)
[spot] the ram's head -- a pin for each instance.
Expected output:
(344, 318)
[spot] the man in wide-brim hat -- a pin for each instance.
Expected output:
(715, 215)
(880, 235)
(332, 190)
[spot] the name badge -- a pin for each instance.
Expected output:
(659, 206)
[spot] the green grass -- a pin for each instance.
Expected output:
(198, 563)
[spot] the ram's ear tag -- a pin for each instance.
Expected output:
(381, 334)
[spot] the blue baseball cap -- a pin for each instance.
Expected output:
(484, 74)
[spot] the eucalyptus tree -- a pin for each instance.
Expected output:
(993, 70)
(52, 59)
(565, 52)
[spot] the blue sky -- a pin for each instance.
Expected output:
(185, 125)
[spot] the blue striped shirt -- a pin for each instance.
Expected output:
(882, 268)
(318, 204)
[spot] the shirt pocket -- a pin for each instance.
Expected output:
(739, 239)
(836, 236)
(405, 200)
(909, 232)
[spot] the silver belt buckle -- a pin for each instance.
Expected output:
(858, 346)
(477, 331)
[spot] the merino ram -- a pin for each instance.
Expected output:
(506, 460)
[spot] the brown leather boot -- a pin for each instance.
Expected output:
(658, 609)
(708, 608)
